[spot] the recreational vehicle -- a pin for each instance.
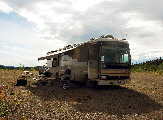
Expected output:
(100, 61)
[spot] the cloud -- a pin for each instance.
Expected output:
(18, 49)
(141, 53)
(53, 24)
(5, 8)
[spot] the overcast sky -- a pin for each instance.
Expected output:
(31, 28)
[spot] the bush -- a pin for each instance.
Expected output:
(155, 66)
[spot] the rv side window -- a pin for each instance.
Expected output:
(54, 62)
(93, 54)
(49, 62)
(125, 58)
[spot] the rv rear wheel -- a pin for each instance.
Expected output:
(68, 71)
(86, 80)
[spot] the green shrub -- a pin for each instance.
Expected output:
(155, 66)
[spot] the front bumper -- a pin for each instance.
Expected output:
(114, 82)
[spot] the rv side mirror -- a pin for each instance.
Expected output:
(102, 58)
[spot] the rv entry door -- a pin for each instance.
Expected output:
(93, 62)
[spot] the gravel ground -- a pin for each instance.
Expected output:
(140, 100)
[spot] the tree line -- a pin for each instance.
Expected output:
(155, 66)
(21, 67)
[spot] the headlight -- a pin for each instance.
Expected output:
(130, 77)
(103, 77)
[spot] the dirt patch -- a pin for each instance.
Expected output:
(142, 99)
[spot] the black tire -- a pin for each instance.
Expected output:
(86, 80)
(68, 71)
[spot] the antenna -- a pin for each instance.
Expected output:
(123, 35)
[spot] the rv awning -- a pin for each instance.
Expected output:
(43, 58)
(48, 57)
(55, 54)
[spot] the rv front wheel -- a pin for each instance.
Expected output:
(86, 80)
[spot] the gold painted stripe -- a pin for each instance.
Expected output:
(116, 74)
(105, 72)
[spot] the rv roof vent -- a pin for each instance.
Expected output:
(92, 39)
(107, 36)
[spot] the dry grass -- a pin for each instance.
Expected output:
(142, 99)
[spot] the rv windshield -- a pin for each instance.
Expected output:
(115, 54)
